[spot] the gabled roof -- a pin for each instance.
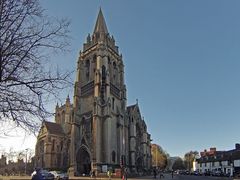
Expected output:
(221, 156)
(100, 24)
(54, 128)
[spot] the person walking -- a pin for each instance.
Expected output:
(125, 174)
(109, 174)
(161, 175)
(154, 173)
(172, 174)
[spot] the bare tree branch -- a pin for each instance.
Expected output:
(27, 37)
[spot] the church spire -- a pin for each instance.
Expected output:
(100, 26)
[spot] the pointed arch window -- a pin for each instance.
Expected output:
(113, 103)
(53, 145)
(113, 156)
(114, 70)
(87, 65)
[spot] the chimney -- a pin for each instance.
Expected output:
(213, 149)
(237, 146)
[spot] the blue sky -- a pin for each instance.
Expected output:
(182, 63)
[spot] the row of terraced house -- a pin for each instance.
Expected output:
(227, 162)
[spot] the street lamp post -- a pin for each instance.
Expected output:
(26, 162)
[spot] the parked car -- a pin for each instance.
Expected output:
(216, 173)
(207, 173)
(197, 173)
(41, 174)
(59, 175)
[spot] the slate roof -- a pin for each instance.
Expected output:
(54, 128)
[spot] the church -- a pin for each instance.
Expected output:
(97, 131)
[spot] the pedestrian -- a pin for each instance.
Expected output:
(109, 174)
(91, 173)
(154, 173)
(172, 174)
(161, 175)
(125, 173)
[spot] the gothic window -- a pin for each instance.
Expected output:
(114, 70)
(87, 65)
(113, 156)
(103, 71)
(53, 145)
(113, 103)
(61, 145)
(103, 86)
(94, 58)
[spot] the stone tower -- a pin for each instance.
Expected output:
(99, 128)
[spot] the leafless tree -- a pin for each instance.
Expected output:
(27, 37)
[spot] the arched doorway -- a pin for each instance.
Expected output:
(83, 161)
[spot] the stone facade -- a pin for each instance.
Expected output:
(97, 131)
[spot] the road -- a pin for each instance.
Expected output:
(182, 177)
(166, 177)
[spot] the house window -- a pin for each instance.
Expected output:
(229, 163)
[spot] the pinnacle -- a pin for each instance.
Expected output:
(100, 24)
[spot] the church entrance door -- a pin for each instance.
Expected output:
(83, 162)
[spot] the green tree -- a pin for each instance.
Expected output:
(159, 157)
(189, 158)
(178, 164)
(27, 83)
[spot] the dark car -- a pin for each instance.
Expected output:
(42, 175)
